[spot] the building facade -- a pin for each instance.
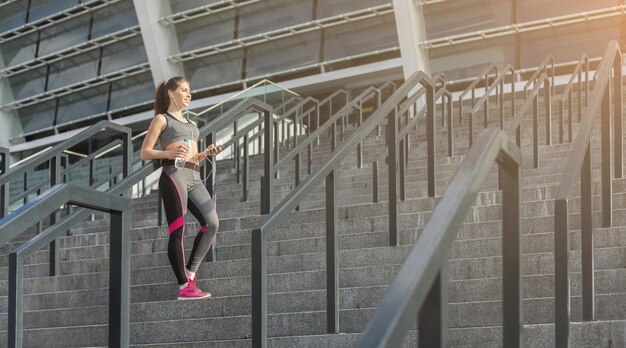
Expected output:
(66, 64)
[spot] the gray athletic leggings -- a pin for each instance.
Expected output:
(182, 189)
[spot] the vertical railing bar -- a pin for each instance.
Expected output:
(332, 256)
(245, 168)
(535, 132)
(402, 170)
(548, 105)
(617, 117)
(510, 176)
(586, 237)
(430, 139)
(561, 274)
(392, 159)
(375, 187)
(607, 197)
(432, 321)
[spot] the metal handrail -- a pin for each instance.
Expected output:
(238, 94)
(499, 81)
(403, 134)
(484, 75)
(532, 100)
(327, 173)
(68, 168)
(421, 284)
(4, 191)
(53, 157)
(119, 268)
(542, 68)
(569, 95)
(579, 163)
(330, 125)
(67, 144)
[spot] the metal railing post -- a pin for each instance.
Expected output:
(618, 141)
(332, 256)
(259, 289)
(535, 132)
(510, 181)
(561, 277)
(4, 189)
(16, 301)
(119, 280)
(432, 321)
(586, 237)
(402, 170)
(392, 159)
(607, 183)
(268, 163)
(55, 178)
(375, 187)
(450, 130)
(430, 139)
(245, 168)
(547, 99)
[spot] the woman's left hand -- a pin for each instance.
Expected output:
(212, 150)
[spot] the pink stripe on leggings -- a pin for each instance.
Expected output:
(178, 223)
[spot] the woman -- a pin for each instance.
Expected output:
(181, 187)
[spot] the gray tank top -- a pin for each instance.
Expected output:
(177, 130)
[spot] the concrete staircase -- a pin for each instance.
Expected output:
(70, 310)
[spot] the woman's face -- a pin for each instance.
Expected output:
(181, 96)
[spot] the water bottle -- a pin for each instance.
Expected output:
(179, 162)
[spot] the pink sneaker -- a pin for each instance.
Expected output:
(191, 292)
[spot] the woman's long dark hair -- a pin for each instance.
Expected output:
(161, 98)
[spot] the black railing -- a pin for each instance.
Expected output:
(52, 157)
(4, 190)
(327, 173)
(497, 84)
(420, 287)
(568, 96)
(484, 76)
(532, 100)
(608, 84)
(119, 267)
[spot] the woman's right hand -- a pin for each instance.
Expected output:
(179, 151)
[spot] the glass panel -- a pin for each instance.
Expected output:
(112, 18)
(18, 51)
(13, 15)
(123, 54)
(37, 117)
(193, 34)
(534, 10)
(283, 54)
(464, 16)
(84, 103)
(74, 69)
(132, 90)
(183, 5)
(28, 84)
(63, 35)
(214, 70)
(273, 14)
(360, 37)
(330, 8)
(44, 8)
